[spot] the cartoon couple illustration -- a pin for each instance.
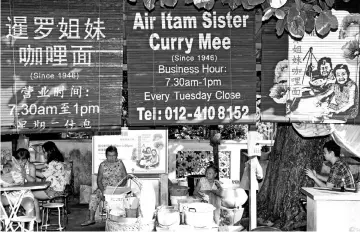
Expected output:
(332, 91)
(149, 158)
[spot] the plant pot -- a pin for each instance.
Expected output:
(199, 214)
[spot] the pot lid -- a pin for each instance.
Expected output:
(201, 207)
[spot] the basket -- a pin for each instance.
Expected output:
(129, 226)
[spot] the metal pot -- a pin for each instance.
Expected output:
(199, 214)
(168, 216)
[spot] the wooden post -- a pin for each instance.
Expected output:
(251, 140)
(164, 190)
(215, 144)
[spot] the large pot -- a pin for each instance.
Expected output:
(168, 216)
(233, 197)
(199, 214)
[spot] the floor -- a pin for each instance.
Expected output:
(78, 214)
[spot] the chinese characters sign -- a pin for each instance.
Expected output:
(188, 66)
(61, 65)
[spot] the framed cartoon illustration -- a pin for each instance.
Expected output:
(142, 151)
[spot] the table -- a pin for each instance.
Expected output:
(332, 210)
(14, 207)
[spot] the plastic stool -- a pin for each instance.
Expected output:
(21, 220)
(60, 214)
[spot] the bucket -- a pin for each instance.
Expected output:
(199, 214)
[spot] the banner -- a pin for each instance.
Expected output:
(142, 151)
(189, 66)
(61, 65)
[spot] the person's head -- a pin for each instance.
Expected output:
(111, 153)
(331, 149)
(324, 66)
(342, 73)
(211, 172)
(52, 152)
(7, 167)
(148, 150)
(22, 155)
(154, 152)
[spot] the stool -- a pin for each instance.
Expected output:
(21, 220)
(60, 214)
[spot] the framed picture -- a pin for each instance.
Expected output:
(142, 151)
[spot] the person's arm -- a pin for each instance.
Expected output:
(99, 178)
(219, 190)
(32, 173)
(40, 166)
(125, 173)
(312, 174)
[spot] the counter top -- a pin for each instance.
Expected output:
(328, 194)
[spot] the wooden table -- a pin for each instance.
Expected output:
(14, 206)
(332, 210)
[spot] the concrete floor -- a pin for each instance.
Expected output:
(78, 214)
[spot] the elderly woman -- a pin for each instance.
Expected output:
(111, 172)
(22, 171)
(53, 171)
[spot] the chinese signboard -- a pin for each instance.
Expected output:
(61, 65)
(190, 66)
(142, 151)
(319, 82)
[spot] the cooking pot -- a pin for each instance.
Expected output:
(233, 197)
(199, 214)
(168, 216)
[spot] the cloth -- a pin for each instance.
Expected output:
(245, 179)
(57, 175)
(338, 171)
(113, 172)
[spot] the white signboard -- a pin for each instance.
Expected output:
(142, 151)
(323, 84)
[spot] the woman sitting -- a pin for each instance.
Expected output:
(209, 190)
(111, 172)
(53, 171)
(21, 170)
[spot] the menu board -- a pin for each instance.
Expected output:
(190, 66)
(61, 65)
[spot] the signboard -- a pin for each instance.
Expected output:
(61, 65)
(189, 66)
(319, 82)
(142, 151)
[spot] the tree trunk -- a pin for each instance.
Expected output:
(278, 198)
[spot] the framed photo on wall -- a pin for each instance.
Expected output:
(142, 151)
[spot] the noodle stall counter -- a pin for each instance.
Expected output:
(332, 210)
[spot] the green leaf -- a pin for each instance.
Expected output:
(334, 24)
(277, 3)
(293, 12)
(268, 13)
(149, 4)
(246, 5)
(297, 27)
(317, 9)
(308, 7)
(170, 3)
(224, 2)
(310, 21)
(322, 24)
(233, 4)
(132, 0)
(323, 5)
(330, 3)
(280, 14)
(280, 26)
(188, 2)
(210, 5)
(255, 2)
(303, 15)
